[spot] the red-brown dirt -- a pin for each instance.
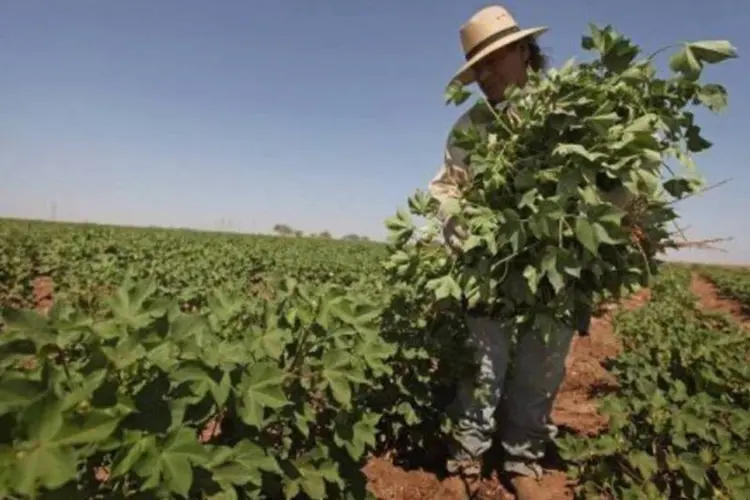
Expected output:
(711, 300)
(44, 288)
(574, 408)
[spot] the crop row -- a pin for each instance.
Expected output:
(86, 260)
(679, 420)
(199, 365)
(293, 347)
(732, 283)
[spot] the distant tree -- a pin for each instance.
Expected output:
(298, 233)
(325, 234)
(355, 237)
(283, 229)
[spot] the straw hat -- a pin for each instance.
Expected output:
(486, 31)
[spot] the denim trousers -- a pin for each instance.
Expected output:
(535, 370)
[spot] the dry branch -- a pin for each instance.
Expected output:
(707, 244)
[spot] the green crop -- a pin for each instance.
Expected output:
(679, 420)
(734, 284)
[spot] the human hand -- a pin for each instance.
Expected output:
(454, 234)
(637, 235)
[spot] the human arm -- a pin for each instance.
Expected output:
(447, 186)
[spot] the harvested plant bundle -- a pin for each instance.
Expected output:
(571, 188)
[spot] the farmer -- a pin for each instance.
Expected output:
(498, 54)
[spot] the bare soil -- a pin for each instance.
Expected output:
(44, 289)
(712, 300)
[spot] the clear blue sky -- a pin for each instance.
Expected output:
(319, 114)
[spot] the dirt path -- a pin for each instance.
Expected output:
(711, 300)
(44, 288)
(574, 408)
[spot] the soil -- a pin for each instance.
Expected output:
(574, 411)
(44, 289)
(711, 299)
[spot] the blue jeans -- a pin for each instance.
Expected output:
(538, 368)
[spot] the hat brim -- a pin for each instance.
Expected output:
(465, 75)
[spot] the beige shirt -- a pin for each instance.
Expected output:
(454, 175)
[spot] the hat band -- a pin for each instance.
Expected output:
(490, 40)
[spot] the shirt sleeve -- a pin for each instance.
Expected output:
(453, 175)
(449, 182)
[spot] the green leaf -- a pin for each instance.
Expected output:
(16, 394)
(445, 287)
(398, 222)
(312, 476)
(586, 235)
(678, 187)
(178, 474)
(419, 203)
(44, 418)
(186, 325)
(472, 242)
(450, 207)
(455, 93)
(695, 142)
(247, 463)
(357, 438)
(262, 387)
(532, 278)
(564, 150)
(550, 269)
(713, 51)
(30, 326)
(96, 427)
(221, 391)
(44, 466)
(689, 61)
(643, 463)
(568, 263)
(713, 96)
(181, 451)
(85, 391)
(686, 63)
(590, 195)
(337, 367)
(603, 122)
(620, 55)
(603, 236)
(195, 375)
(569, 181)
(131, 453)
(693, 467)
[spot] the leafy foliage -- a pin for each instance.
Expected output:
(561, 181)
(132, 390)
(88, 261)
